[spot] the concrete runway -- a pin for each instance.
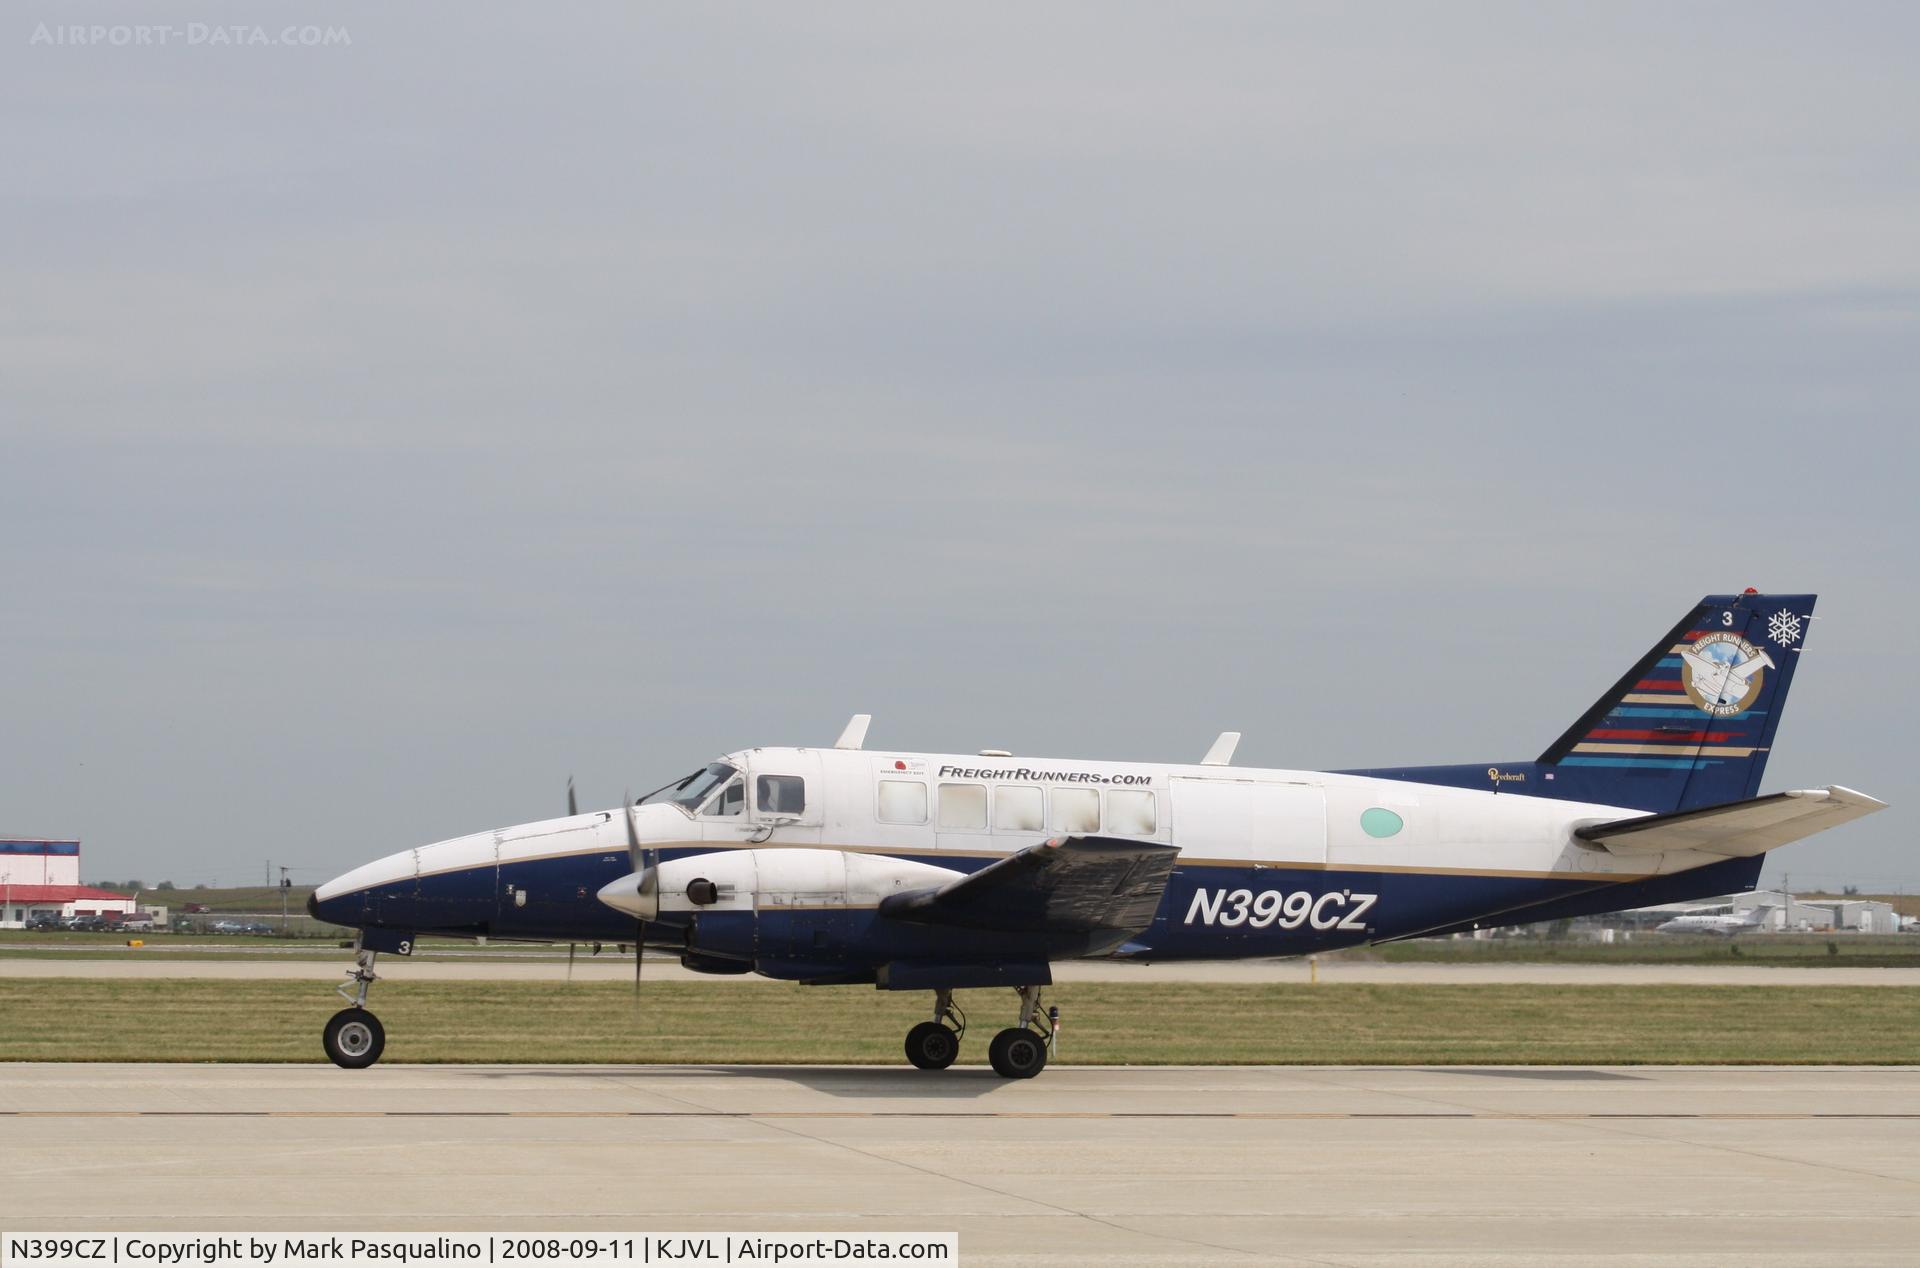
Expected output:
(1306, 1165)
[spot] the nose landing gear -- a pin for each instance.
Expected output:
(354, 1037)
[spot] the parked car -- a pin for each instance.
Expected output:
(137, 924)
(227, 926)
(45, 922)
(258, 927)
(88, 924)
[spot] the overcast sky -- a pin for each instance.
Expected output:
(390, 429)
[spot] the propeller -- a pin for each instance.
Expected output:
(573, 808)
(649, 884)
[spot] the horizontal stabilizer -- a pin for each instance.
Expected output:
(1067, 884)
(1740, 829)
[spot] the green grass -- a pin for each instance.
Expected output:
(1775, 950)
(30, 940)
(1843, 950)
(1106, 1023)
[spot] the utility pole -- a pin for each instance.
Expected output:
(285, 884)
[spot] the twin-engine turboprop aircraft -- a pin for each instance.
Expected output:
(936, 872)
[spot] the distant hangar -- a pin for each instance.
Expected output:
(42, 878)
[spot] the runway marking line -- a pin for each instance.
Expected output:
(1258, 1115)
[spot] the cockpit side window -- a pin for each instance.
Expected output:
(731, 801)
(694, 789)
(782, 794)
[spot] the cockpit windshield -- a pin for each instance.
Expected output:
(694, 789)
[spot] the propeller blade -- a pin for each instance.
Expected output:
(648, 885)
(573, 804)
(570, 950)
(633, 832)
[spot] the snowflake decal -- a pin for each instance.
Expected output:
(1784, 628)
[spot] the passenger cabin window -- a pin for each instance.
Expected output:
(902, 801)
(782, 795)
(963, 805)
(1076, 810)
(1016, 808)
(1130, 813)
(731, 801)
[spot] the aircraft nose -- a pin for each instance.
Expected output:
(330, 906)
(349, 898)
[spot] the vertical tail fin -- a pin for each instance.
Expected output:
(1692, 722)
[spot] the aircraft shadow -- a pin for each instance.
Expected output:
(961, 1084)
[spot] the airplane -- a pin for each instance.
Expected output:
(938, 872)
(1729, 923)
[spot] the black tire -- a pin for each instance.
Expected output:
(931, 1046)
(354, 1039)
(1018, 1053)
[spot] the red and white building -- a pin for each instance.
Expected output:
(42, 878)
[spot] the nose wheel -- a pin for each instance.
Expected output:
(354, 1037)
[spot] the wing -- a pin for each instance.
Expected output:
(1067, 885)
(1740, 829)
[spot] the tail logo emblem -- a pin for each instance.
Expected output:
(1722, 673)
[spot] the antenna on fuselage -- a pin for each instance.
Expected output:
(1221, 754)
(855, 733)
(573, 803)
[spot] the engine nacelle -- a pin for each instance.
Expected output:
(788, 912)
(765, 881)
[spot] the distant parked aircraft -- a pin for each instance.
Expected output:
(1728, 924)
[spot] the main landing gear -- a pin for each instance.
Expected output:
(932, 1045)
(1018, 1052)
(354, 1037)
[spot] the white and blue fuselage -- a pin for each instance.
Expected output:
(1270, 862)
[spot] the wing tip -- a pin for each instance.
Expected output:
(1854, 797)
